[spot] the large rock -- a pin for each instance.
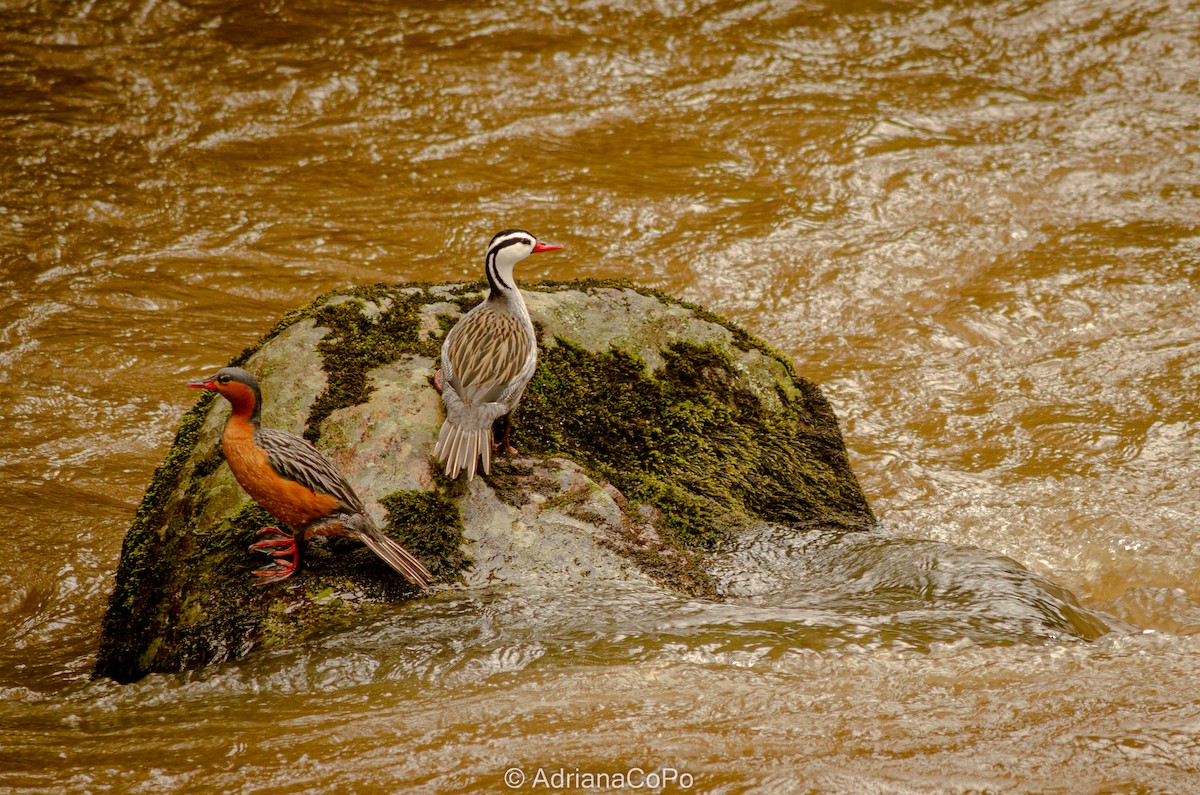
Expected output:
(660, 445)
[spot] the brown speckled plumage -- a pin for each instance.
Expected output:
(488, 359)
(488, 352)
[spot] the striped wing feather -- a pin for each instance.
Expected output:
(294, 458)
(485, 353)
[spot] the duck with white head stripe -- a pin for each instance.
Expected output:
(488, 359)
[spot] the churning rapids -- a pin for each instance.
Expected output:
(973, 224)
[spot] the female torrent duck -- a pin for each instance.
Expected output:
(297, 484)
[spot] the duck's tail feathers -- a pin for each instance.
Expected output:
(462, 448)
(396, 556)
(465, 440)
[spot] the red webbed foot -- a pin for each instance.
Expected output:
(437, 381)
(281, 546)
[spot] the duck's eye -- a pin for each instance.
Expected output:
(224, 379)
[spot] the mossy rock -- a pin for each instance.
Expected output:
(653, 435)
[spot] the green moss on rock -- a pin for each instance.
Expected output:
(139, 579)
(149, 626)
(690, 439)
(429, 525)
(358, 343)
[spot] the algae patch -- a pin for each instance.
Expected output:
(139, 580)
(358, 343)
(430, 526)
(690, 439)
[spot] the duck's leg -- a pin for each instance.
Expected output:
(503, 446)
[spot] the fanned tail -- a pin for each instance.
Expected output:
(392, 553)
(465, 440)
(463, 448)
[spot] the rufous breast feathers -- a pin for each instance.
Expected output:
(290, 502)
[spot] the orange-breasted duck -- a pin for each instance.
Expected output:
(297, 484)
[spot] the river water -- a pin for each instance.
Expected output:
(975, 225)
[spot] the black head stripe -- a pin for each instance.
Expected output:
(501, 241)
(506, 233)
(508, 237)
(495, 281)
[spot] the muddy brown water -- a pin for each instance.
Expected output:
(975, 225)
